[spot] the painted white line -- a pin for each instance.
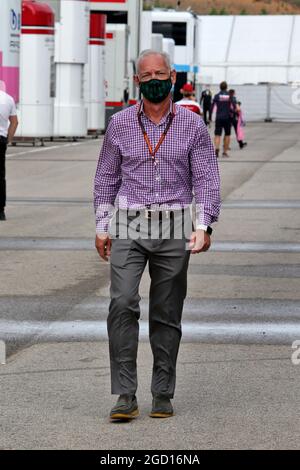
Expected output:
(45, 149)
(258, 204)
(14, 243)
(239, 309)
(81, 330)
(248, 247)
(42, 149)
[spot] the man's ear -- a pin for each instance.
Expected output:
(136, 80)
(173, 76)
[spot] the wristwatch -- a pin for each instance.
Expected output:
(206, 228)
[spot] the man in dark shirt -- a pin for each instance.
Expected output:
(206, 98)
(224, 105)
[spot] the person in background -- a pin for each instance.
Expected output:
(205, 101)
(8, 126)
(237, 120)
(225, 106)
(240, 133)
(188, 101)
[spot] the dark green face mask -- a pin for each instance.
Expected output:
(156, 90)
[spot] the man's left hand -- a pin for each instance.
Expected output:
(199, 241)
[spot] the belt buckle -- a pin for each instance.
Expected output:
(149, 211)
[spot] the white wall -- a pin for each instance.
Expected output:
(250, 49)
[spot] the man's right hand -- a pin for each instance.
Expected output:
(103, 245)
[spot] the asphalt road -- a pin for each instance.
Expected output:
(236, 386)
(53, 285)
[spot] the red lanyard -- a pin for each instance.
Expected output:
(162, 137)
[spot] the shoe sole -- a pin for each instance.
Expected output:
(161, 415)
(131, 415)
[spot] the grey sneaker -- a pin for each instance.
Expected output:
(125, 408)
(161, 408)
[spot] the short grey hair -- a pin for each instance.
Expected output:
(148, 52)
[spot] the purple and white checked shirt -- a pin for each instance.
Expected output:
(126, 177)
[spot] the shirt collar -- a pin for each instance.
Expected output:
(142, 113)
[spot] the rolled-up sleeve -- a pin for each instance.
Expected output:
(107, 179)
(205, 177)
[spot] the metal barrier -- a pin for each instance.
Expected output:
(270, 102)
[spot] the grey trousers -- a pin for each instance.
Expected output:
(168, 263)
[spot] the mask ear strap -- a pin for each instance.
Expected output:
(140, 108)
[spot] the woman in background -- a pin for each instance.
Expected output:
(240, 133)
(237, 120)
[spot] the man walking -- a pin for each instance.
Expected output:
(225, 106)
(8, 126)
(154, 155)
(205, 101)
(188, 101)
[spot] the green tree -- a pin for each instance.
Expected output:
(223, 11)
(213, 11)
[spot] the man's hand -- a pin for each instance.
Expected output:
(199, 241)
(103, 245)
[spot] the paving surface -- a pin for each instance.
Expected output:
(57, 396)
(237, 386)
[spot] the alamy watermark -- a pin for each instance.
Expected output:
(296, 354)
(296, 93)
(2, 352)
(149, 222)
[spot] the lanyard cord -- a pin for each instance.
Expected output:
(162, 137)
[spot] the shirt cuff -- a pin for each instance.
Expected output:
(203, 218)
(202, 227)
(102, 226)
